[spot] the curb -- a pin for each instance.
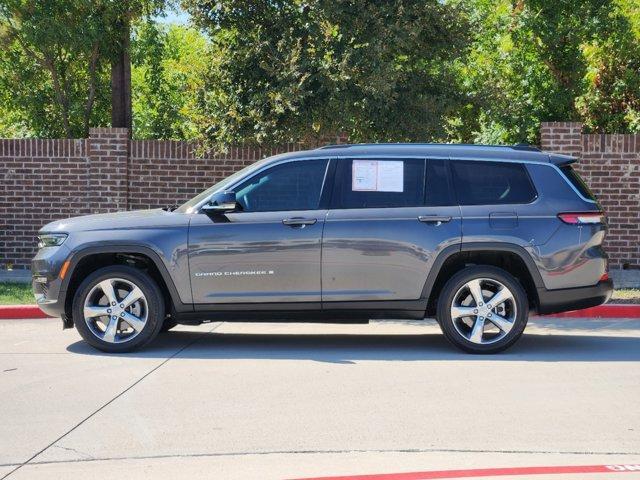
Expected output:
(612, 310)
(603, 311)
(21, 312)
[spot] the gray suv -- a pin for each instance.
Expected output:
(477, 236)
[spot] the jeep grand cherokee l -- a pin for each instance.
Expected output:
(477, 236)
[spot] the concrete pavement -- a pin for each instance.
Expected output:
(293, 400)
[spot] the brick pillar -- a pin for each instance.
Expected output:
(562, 137)
(108, 154)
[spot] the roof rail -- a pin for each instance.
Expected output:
(525, 146)
(518, 146)
(336, 145)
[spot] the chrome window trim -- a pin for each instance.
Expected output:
(564, 177)
(196, 208)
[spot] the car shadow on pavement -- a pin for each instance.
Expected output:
(351, 348)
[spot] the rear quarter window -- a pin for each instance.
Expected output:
(576, 180)
(492, 183)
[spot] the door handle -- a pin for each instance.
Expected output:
(299, 221)
(435, 219)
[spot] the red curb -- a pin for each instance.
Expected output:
(491, 472)
(21, 311)
(603, 311)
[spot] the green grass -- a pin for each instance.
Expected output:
(21, 294)
(626, 294)
(16, 294)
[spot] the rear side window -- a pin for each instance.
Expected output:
(379, 183)
(577, 181)
(491, 183)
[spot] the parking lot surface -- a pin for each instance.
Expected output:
(263, 401)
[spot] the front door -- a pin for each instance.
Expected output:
(385, 227)
(269, 251)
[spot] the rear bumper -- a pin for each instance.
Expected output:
(566, 299)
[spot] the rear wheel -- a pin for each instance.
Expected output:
(483, 309)
(118, 309)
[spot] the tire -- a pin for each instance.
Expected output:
(168, 324)
(487, 328)
(109, 327)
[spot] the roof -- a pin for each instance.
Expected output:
(439, 150)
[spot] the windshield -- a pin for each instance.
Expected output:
(189, 206)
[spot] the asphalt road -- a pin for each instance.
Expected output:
(262, 401)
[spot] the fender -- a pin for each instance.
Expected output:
(445, 254)
(78, 255)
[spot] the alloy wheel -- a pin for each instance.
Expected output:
(115, 310)
(483, 311)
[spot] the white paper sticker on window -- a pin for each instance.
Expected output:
(390, 176)
(377, 176)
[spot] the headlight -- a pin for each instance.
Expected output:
(51, 240)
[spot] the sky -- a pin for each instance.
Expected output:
(176, 15)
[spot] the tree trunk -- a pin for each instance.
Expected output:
(93, 66)
(121, 83)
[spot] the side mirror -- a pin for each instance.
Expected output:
(223, 202)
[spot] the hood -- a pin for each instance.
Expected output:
(135, 219)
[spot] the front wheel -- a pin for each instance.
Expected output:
(483, 309)
(118, 309)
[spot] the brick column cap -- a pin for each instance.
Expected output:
(561, 124)
(102, 130)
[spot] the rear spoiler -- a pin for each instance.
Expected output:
(560, 160)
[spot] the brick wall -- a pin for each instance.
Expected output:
(166, 172)
(610, 164)
(108, 156)
(40, 181)
(45, 180)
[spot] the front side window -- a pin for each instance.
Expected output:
(369, 183)
(491, 183)
(288, 186)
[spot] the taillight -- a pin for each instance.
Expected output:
(582, 218)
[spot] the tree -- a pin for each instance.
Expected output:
(52, 64)
(292, 70)
(126, 12)
(538, 60)
(610, 101)
(167, 77)
(55, 59)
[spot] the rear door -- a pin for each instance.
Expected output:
(388, 220)
(498, 203)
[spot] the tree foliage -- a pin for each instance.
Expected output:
(54, 60)
(167, 78)
(294, 69)
(285, 70)
(538, 60)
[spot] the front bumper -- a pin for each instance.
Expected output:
(49, 290)
(566, 299)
